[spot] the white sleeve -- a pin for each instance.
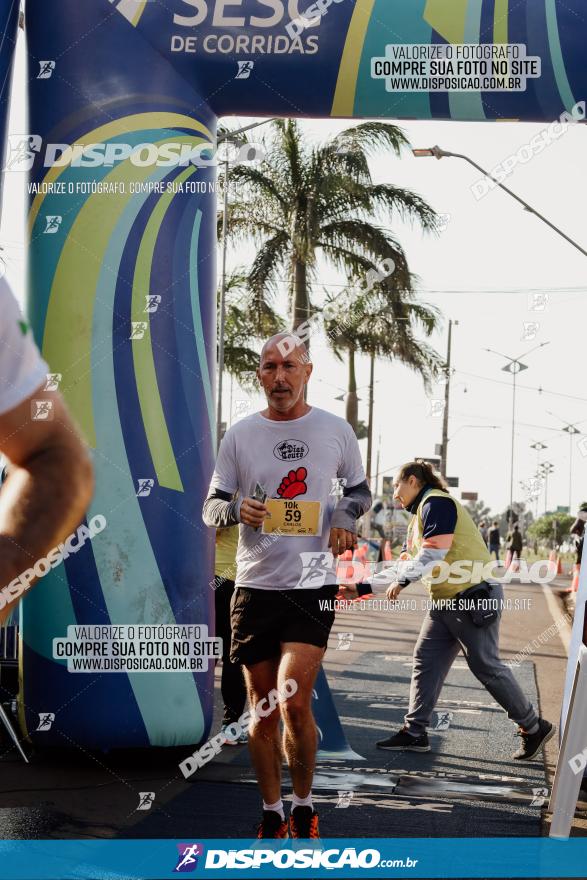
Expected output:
(351, 466)
(22, 369)
(225, 476)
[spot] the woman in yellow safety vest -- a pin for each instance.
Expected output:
(446, 551)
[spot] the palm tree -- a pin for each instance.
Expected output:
(479, 511)
(382, 323)
(307, 201)
(247, 320)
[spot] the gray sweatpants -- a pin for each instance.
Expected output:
(442, 636)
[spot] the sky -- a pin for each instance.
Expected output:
(488, 270)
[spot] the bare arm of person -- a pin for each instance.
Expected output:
(49, 486)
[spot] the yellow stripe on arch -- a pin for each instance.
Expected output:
(500, 21)
(139, 12)
(156, 431)
(124, 125)
(73, 292)
(446, 19)
(346, 84)
(132, 10)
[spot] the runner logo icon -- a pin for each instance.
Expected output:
(188, 857)
(315, 568)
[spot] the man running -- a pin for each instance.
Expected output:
(50, 478)
(297, 456)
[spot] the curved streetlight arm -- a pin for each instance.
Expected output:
(439, 153)
(486, 427)
(233, 134)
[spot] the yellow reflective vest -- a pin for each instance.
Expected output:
(467, 555)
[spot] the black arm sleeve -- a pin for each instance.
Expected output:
(355, 501)
(220, 510)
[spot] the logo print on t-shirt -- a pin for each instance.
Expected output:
(291, 450)
(293, 484)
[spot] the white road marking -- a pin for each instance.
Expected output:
(557, 612)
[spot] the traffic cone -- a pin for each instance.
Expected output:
(332, 742)
(575, 582)
(554, 557)
(360, 553)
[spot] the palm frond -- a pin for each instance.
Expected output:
(258, 181)
(271, 256)
(373, 136)
(409, 205)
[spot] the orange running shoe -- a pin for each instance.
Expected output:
(272, 825)
(303, 823)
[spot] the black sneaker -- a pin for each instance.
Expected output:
(533, 742)
(404, 742)
(303, 823)
(272, 826)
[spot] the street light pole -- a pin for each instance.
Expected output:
(546, 468)
(222, 308)
(514, 374)
(377, 466)
(221, 321)
(439, 153)
(546, 475)
(370, 419)
(514, 366)
(538, 446)
(444, 450)
(570, 430)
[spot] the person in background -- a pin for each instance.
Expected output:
(494, 540)
(232, 681)
(385, 551)
(578, 531)
(361, 555)
(376, 519)
(514, 545)
(578, 535)
(484, 532)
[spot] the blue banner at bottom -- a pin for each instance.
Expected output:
(342, 857)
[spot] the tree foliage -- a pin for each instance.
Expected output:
(308, 200)
(552, 529)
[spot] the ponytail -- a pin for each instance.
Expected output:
(423, 471)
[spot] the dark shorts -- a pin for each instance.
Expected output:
(262, 619)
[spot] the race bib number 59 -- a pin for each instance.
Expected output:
(291, 517)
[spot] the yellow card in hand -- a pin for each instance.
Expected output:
(291, 517)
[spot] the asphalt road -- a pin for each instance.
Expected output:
(466, 786)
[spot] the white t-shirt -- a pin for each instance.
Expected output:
(22, 369)
(309, 459)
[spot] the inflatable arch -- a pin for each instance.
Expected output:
(139, 373)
